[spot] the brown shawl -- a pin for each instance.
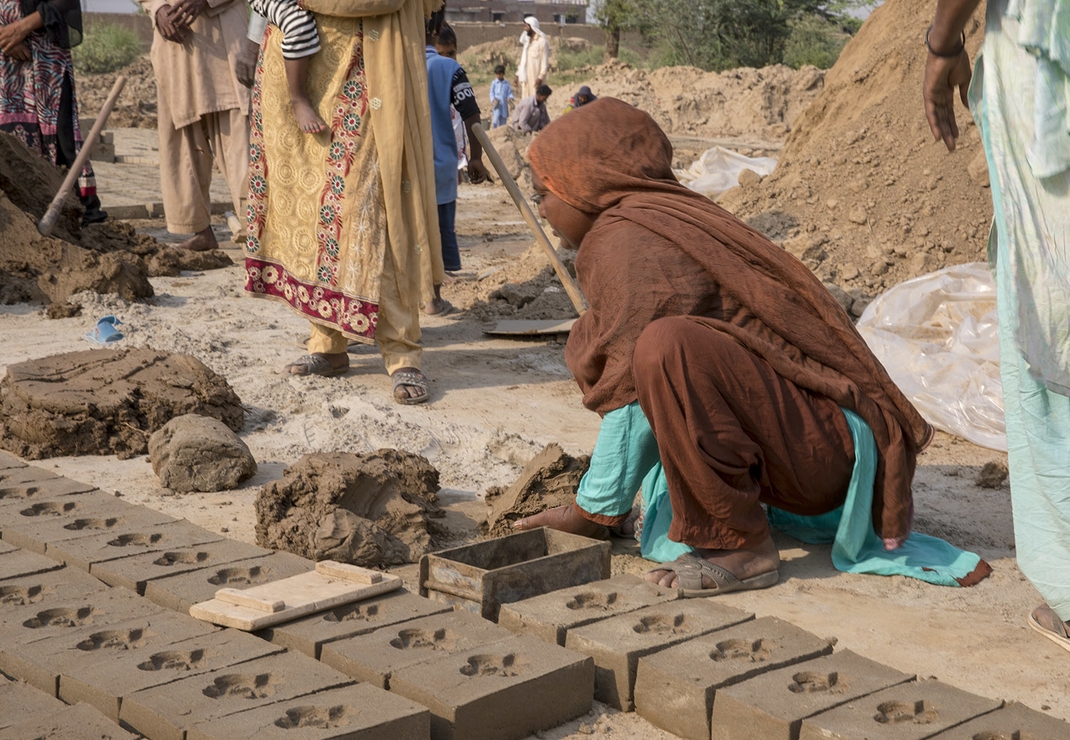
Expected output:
(658, 249)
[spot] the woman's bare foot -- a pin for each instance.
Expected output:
(202, 241)
(743, 564)
(308, 120)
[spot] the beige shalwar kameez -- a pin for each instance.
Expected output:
(536, 65)
(202, 112)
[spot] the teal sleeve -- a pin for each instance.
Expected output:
(624, 453)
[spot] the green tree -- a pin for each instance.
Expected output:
(617, 16)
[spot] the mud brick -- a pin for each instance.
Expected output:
(41, 662)
(6, 548)
(85, 552)
(182, 591)
(375, 657)
(502, 691)
(1012, 721)
(27, 484)
(19, 563)
(309, 634)
(551, 616)
(358, 712)
(911, 711)
(135, 572)
(166, 712)
(674, 689)
(106, 683)
(27, 594)
(70, 723)
(773, 705)
(35, 525)
(41, 621)
(20, 702)
(9, 461)
(617, 643)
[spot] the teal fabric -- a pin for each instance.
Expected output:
(1030, 249)
(856, 548)
(624, 453)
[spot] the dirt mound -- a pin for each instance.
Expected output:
(109, 257)
(861, 192)
(101, 402)
(372, 510)
(550, 479)
(136, 106)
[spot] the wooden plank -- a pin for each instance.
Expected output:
(301, 595)
(240, 598)
(348, 572)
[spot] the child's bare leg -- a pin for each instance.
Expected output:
(296, 75)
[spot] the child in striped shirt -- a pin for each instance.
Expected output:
(300, 40)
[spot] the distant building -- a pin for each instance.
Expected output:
(549, 12)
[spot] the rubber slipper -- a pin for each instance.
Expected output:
(105, 332)
(689, 569)
(447, 309)
(1050, 626)
(315, 365)
(413, 379)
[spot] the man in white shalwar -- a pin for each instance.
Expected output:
(534, 65)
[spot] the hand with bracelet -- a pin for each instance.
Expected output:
(947, 67)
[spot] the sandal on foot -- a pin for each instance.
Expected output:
(446, 310)
(315, 365)
(689, 569)
(1045, 621)
(414, 380)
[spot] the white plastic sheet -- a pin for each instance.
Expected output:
(937, 335)
(717, 171)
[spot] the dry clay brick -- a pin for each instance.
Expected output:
(106, 683)
(19, 563)
(57, 519)
(1015, 721)
(57, 585)
(20, 486)
(358, 712)
(674, 689)
(502, 691)
(135, 572)
(309, 634)
(21, 702)
(182, 591)
(374, 658)
(617, 644)
(166, 712)
(550, 616)
(42, 621)
(127, 541)
(6, 548)
(773, 705)
(70, 723)
(912, 711)
(9, 461)
(41, 662)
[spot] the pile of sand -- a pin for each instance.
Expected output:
(372, 510)
(109, 257)
(862, 193)
(136, 106)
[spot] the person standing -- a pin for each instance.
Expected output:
(534, 68)
(1019, 101)
(37, 100)
(501, 95)
(342, 224)
(531, 114)
(202, 108)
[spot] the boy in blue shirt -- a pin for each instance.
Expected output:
(501, 92)
(447, 84)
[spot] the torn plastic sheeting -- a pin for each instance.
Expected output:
(718, 169)
(938, 337)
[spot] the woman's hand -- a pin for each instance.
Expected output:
(942, 76)
(21, 53)
(11, 36)
(564, 519)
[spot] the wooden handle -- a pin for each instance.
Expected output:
(48, 221)
(348, 572)
(573, 290)
(240, 598)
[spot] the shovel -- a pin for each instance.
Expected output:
(529, 328)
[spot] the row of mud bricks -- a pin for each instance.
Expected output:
(94, 630)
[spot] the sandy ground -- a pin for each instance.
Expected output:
(496, 402)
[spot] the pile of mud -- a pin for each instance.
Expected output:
(862, 193)
(372, 510)
(108, 257)
(549, 480)
(100, 402)
(136, 106)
